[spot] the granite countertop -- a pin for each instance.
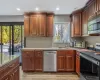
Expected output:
(7, 58)
(52, 48)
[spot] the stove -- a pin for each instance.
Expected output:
(90, 64)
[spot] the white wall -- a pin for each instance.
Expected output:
(14, 18)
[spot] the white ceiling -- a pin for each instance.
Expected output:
(8, 7)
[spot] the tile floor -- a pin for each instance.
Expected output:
(48, 76)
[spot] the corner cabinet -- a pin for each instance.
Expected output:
(38, 24)
(76, 28)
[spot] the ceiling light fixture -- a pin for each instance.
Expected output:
(18, 9)
(36, 8)
(57, 8)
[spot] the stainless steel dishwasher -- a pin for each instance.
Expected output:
(49, 61)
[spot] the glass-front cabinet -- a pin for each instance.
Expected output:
(11, 40)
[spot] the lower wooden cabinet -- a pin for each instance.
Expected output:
(32, 60)
(60, 60)
(77, 63)
(28, 60)
(38, 60)
(70, 60)
(66, 60)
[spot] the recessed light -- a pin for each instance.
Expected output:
(18, 9)
(36, 8)
(57, 8)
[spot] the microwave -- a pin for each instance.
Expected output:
(94, 27)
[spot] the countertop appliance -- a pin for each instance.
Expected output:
(90, 64)
(80, 44)
(49, 61)
(94, 26)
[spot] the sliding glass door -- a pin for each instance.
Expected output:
(11, 39)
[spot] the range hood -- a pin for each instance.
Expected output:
(94, 26)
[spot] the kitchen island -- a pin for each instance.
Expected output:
(9, 67)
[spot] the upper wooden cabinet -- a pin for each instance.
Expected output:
(33, 25)
(42, 25)
(85, 22)
(26, 25)
(50, 25)
(76, 24)
(38, 24)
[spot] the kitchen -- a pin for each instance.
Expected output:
(40, 41)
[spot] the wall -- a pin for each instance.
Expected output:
(92, 40)
(12, 18)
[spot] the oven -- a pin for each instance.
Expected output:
(89, 68)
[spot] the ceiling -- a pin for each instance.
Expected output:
(8, 7)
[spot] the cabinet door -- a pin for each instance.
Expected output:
(77, 64)
(50, 25)
(28, 60)
(70, 60)
(85, 22)
(61, 60)
(38, 60)
(26, 26)
(42, 25)
(34, 25)
(98, 7)
(77, 24)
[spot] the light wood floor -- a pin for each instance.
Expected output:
(48, 76)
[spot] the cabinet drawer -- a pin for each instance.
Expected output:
(38, 53)
(61, 53)
(27, 53)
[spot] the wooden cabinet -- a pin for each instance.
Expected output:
(65, 60)
(38, 60)
(10, 71)
(38, 24)
(77, 63)
(26, 25)
(50, 25)
(70, 60)
(33, 25)
(85, 22)
(92, 9)
(77, 24)
(32, 60)
(28, 60)
(42, 25)
(60, 60)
